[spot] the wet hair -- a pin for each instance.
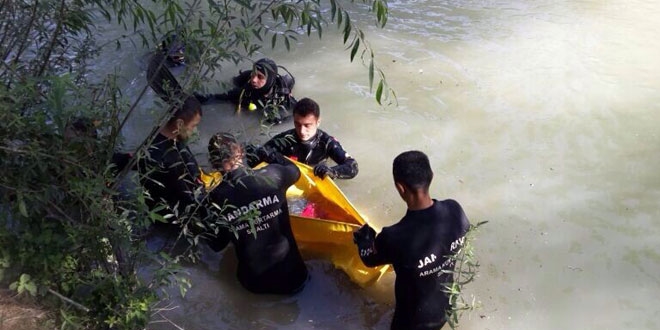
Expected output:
(413, 170)
(187, 110)
(222, 147)
(307, 106)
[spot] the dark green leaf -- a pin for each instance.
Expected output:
(333, 10)
(379, 92)
(382, 13)
(21, 205)
(257, 34)
(347, 32)
(356, 46)
(371, 73)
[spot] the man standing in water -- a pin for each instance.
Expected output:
(169, 170)
(251, 210)
(418, 246)
(310, 145)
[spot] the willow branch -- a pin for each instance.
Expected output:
(53, 40)
(67, 300)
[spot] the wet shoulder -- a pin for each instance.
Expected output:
(450, 205)
(454, 210)
(325, 138)
(159, 147)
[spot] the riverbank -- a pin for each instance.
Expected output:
(22, 314)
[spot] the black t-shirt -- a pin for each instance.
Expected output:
(417, 247)
(270, 261)
(314, 151)
(169, 172)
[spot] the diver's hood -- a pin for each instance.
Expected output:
(269, 69)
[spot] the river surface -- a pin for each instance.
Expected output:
(539, 116)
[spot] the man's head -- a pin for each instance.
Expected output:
(225, 153)
(173, 47)
(412, 171)
(185, 119)
(306, 118)
(263, 74)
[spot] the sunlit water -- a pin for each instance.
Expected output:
(539, 116)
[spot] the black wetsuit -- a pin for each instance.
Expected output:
(417, 247)
(314, 151)
(279, 93)
(170, 173)
(269, 262)
(274, 100)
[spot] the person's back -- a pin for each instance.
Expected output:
(419, 246)
(254, 205)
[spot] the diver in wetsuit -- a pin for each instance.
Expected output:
(417, 246)
(169, 170)
(263, 88)
(251, 210)
(309, 145)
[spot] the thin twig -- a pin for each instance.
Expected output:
(53, 40)
(75, 304)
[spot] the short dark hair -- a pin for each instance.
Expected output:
(222, 146)
(413, 170)
(307, 106)
(186, 110)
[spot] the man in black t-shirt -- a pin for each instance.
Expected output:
(251, 210)
(310, 145)
(418, 246)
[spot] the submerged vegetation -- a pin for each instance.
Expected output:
(69, 234)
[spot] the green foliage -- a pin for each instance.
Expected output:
(62, 228)
(466, 268)
(67, 235)
(23, 284)
(230, 31)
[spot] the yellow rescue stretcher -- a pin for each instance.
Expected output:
(324, 228)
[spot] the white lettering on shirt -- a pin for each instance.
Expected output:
(454, 248)
(254, 205)
(427, 260)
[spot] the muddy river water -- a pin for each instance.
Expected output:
(538, 116)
